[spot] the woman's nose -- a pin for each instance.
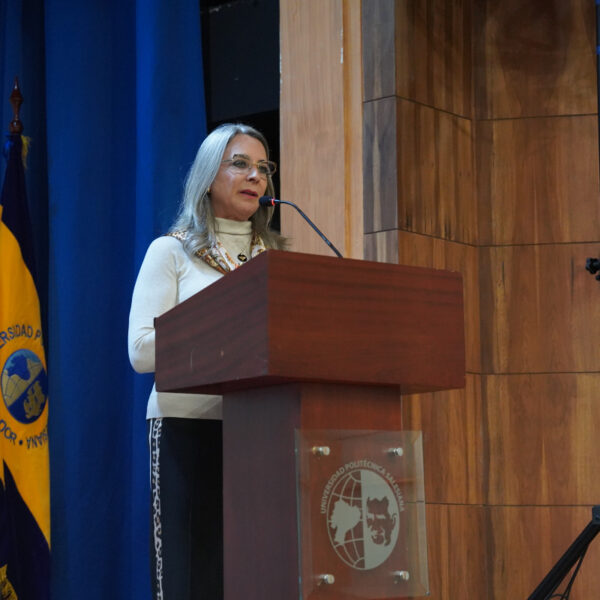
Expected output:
(253, 173)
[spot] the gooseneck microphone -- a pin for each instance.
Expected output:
(268, 201)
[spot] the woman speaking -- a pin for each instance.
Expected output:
(219, 227)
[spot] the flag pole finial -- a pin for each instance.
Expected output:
(16, 99)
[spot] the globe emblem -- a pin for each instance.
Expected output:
(363, 519)
(24, 385)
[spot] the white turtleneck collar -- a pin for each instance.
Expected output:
(231, 227)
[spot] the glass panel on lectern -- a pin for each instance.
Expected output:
(361, 514)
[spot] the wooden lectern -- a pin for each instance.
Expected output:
(296, 341)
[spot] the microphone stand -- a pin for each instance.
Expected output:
(564, 564)
(268, 201)
(313, 226)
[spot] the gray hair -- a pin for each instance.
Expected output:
(195, 215)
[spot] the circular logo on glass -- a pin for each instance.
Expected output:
(24, 385)
(363, 519)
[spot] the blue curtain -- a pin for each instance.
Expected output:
(119, 104)
(22, 55)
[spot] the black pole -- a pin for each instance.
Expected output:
(565, 563)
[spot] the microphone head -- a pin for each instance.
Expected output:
(266, 201)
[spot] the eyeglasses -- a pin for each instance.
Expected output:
(242, 164)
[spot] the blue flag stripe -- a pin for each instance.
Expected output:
(15, 214)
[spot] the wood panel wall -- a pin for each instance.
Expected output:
(478, 125)
(431, 208)
(321, 123)
(535, 101)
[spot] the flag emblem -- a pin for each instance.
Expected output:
(24, 386)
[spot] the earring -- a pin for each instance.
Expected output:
(208, 190)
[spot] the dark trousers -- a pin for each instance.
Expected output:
(186, 529)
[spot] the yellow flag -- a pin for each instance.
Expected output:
(24, 467)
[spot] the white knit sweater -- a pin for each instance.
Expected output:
(167, 277)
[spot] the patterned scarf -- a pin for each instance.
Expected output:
(217, 256)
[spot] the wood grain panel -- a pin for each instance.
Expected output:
(312, 122)
(379, 49)
(435, 173)
(541, 432)
(433, 45)
(534, 58)
(540, 309)
(452, 442)
(380, 152)
(456, 538)
(525, 542)
(321, 123)
(425, 251)
(537, 180)
(353, 129)
(418, 171)
(351, 407)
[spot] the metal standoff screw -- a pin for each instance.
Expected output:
(400, 576)
(396, 451)
(326, 579)
(321, 450)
